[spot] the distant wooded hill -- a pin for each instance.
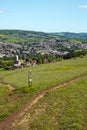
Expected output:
(72, 35)
(20, 36)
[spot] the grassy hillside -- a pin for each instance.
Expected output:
(43, 76)
(22, 36)
(47, 74)
(63, 109)
(72, 35)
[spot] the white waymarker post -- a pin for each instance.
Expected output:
(30, 78)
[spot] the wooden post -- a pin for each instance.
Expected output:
(30, 78)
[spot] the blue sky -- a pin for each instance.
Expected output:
(44, 15)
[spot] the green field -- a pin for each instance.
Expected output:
(43, 76)
(62, 109)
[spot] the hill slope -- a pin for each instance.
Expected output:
(45, 76)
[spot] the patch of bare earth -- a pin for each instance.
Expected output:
(11, 121)
(7, 85)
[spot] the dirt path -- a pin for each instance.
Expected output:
(12, 119)
(10, 86)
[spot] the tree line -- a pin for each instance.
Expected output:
(7, 63)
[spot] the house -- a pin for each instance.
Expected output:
(18, 63)
(2, 55)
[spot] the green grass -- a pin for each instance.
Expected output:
(43, 76)
(3, 93)
(10, 101)
(62, 109)
(47, 74)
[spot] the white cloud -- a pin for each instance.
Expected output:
(83, 6)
